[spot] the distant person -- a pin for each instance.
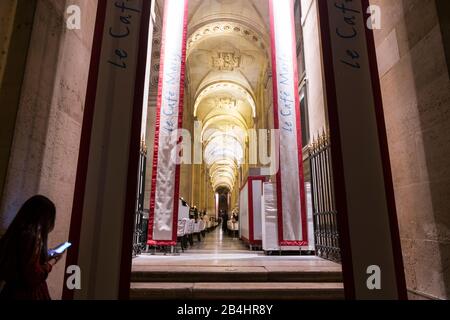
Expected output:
(24, 260)
(224, 221)
(196, 215)
(205, 217)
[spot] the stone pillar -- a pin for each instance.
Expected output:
(47, 131)
(16, 22)
(415, 85)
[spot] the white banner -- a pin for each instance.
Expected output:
(292, 228)
(269, 217)
(255, 210)
(163, 216)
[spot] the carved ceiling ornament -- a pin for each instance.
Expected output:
(226, 103)
(228, 27)
(226, 61)
(224, 86)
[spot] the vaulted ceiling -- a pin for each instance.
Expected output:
(227, 57)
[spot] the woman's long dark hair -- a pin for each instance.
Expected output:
(34, 221)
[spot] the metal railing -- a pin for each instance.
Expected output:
(326, 232)
(140, 234)
(140, 223)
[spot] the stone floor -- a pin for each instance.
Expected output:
(218, 241)
(220, 250)
(222, 267)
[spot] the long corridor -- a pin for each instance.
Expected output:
(217, 242)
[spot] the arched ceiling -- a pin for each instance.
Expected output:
(252, 12)
(227, 57)
(225, 94)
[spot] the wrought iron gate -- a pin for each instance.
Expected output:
(140, 222)
(326, 232)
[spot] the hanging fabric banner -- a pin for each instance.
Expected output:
(163, 216)
(292, 221)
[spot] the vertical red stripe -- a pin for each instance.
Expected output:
(180, 122)
(251, 229)
(276, 120)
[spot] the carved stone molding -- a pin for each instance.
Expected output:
(226, 61)
(226, 103)
(226, 27)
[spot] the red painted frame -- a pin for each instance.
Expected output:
(251, 228)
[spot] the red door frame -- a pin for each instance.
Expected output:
(125, 273)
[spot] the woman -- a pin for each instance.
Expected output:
(24, 260)
(224, 221)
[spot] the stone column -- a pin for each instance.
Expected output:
(47, 130)
(16, 23)
(415, 85)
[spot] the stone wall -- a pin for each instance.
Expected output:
(416, 95)
(44, 152)
(16, 23)
(7, 15)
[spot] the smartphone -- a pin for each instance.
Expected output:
(59, 249)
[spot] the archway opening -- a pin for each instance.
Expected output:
(227, 151)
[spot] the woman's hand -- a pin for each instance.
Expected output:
(54, 260)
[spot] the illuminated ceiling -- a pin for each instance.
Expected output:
(227, 57)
